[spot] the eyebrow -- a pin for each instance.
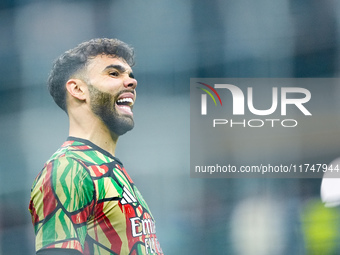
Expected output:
(120, 68)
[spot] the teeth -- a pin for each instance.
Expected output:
(126, 107)
(125, 100)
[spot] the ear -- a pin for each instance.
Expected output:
(76, 88)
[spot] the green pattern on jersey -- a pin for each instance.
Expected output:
(84, 200)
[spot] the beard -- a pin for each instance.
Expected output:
(104, 106)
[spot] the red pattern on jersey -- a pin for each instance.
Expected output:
(125, 173)
(107, 228)
(99, 170)
(49, 200)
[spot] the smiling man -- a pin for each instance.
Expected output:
(83, 201)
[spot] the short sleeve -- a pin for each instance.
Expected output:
(62, 200)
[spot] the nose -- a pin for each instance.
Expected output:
(130, 83)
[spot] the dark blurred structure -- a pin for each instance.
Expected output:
(174, 41)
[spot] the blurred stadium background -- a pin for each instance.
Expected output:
(174, 41)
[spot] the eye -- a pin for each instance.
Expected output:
(114, 73)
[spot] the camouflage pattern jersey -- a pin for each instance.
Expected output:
(84, 200)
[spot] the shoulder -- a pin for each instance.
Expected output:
(70, 158)
(61, 168)
(64, 182)
(64, 174)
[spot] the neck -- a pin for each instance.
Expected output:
(94, 130)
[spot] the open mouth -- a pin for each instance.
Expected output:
(125, 103)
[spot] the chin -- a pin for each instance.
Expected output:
(122, 127)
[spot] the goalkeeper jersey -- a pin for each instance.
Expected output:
(84, 200)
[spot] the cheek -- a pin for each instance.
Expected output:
(102, 99)
(108, 101)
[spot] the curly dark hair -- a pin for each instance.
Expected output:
(75, 60)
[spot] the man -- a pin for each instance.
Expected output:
(83, 201)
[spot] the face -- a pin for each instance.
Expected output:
(112, 92)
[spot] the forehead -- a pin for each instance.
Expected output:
(101, 62)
